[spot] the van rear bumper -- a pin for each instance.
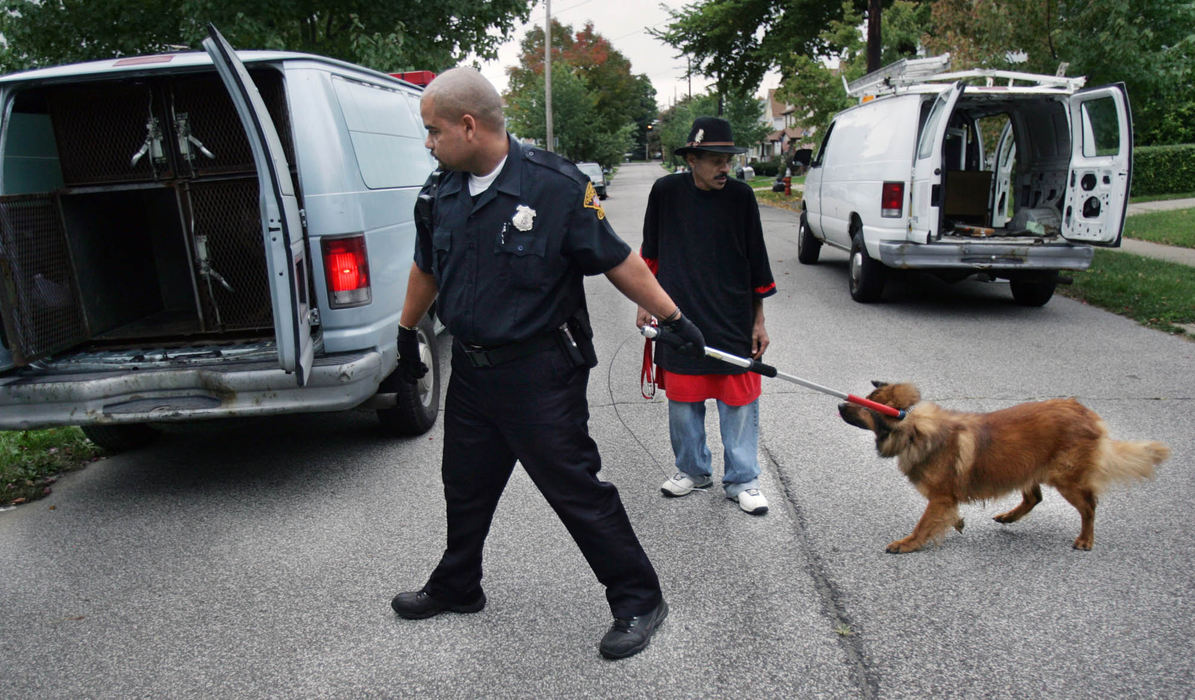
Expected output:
(986, 256)
(337, 382)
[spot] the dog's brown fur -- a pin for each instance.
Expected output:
(953, 457)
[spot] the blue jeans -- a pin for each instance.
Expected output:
(739, 426)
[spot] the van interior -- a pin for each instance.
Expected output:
(129, 216)
(1005, 167)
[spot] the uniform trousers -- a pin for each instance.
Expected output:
(533, 410)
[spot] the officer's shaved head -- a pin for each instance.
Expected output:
(460, 91)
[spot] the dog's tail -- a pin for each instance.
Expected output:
(1128, 460)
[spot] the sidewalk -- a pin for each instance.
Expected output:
(1171, 253)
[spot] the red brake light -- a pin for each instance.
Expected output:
(892, 199)
(346, 267)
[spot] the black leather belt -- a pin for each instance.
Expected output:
(480, 356)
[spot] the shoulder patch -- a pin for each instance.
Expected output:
(591, 201)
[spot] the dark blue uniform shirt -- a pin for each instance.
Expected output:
(510, 265)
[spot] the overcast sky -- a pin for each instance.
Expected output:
(624, 23)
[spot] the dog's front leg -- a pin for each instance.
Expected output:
(939, 514)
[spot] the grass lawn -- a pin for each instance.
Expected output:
(1155, 293)
(30, 460)
(1175, 227)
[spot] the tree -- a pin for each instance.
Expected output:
(1147, 44)
(744, 113)
(389, 36)
(736, 41)
(622, 104)
(574, 112)
(818, 89)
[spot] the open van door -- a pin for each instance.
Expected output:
(928, 168)
(1006, 153)
(1097, 186)
(286, 253)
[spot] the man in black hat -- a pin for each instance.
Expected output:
(703, 239)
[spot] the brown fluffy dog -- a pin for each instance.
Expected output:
(953, 457)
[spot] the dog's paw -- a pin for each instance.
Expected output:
(1083, 544)
(958, 525)
(903, 546)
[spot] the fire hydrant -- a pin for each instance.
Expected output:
(788, 186)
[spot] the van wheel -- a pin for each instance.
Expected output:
(866, 275)
(1033, 291)
(808, 247)
(418, 403)
(120, 437)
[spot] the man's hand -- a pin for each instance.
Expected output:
(684, 337)
(642, 318)
(410, 368)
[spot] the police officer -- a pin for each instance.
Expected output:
(506, 234)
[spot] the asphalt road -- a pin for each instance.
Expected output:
(258, 558)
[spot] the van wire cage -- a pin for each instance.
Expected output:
(178, 143)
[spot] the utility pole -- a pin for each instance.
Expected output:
(548, 72)
(873, 36)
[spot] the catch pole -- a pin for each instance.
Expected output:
(770, 371)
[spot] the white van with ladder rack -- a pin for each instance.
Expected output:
(207, 235)
(992, 173)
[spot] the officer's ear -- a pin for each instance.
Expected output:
(470, 125)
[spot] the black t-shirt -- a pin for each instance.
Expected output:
(712, 261)
(509, 264)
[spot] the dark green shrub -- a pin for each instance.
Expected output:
(1163, 169)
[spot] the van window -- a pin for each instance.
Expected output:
(387, 140)
(1101, 128)
(821, 150)
(925, 147)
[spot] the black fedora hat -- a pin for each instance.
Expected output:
(710, 134)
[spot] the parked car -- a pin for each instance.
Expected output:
(205, 235)
(991, 173)
(597, 176)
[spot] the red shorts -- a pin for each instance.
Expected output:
(732, 389)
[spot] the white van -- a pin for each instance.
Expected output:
(990, 173)
(205, 235)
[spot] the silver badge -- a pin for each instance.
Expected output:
(524, 217)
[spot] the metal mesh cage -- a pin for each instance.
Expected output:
(227, 218)
(203, 109)
(41, 302)
(100, 128)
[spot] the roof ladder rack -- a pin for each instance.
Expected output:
(902, 72)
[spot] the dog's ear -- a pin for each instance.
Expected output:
(903, 396)
(877, 383)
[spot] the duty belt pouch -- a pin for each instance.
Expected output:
(579, 340)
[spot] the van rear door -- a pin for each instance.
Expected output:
(928, 168)
(286, 253)
(1097, 186)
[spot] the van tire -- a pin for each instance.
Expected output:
(419, 403)
(808, 247)
(120, 437)
(1033, 291)
(865, 276)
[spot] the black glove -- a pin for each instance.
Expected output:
(684, 337)
(410, 367)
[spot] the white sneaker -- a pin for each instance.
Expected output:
(682, 484)
(751, 501)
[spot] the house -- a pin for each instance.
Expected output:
(785, 133)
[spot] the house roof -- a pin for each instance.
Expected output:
(779, 109)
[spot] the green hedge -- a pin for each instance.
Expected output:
(766, 167)
(1163, 169)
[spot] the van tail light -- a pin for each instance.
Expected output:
(892, 199)
(346, 267)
